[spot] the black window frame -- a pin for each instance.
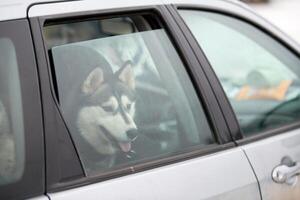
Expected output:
(32, 183)
(226, 107)
(50, 103)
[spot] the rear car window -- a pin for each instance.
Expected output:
(124, 92)
(12, 153)
(21, 131)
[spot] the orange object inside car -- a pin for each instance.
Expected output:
(272, 93)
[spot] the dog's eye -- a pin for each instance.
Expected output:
(128, 106)
(108, 108)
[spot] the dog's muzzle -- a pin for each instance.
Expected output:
(131, 135)
(125, 146)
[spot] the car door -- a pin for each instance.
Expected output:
(21, 132)
(182, 148)
(260, 76)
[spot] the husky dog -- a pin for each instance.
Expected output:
(106, 119)
(98, 104)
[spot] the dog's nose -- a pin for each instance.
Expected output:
(132, 134)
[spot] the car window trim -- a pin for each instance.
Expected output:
(230, 116)
(140, 167)
(219, 93)
(32, 182)
(189, 61)
(53, 116)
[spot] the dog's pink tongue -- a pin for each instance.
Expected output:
(125, 146)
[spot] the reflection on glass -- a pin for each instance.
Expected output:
(127, 99)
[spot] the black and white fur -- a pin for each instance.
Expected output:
(106, 118)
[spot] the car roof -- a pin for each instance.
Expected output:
(16, 9)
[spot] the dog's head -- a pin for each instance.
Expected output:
(111, 100)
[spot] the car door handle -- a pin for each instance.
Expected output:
(286, 174)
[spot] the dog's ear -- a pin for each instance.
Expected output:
(93, 81)
(126, 75)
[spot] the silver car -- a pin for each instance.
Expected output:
(152, 99)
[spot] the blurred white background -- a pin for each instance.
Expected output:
(285, 14)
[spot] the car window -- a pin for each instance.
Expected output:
(259, 75)
(11, 119)
(124, 92)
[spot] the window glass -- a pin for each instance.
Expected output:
(11, 117)
(258, 74)
(124, 92)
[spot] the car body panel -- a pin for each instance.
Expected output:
(40, 198)
(267, 154)
(82, 6)
(16, 9)
(224, 175)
